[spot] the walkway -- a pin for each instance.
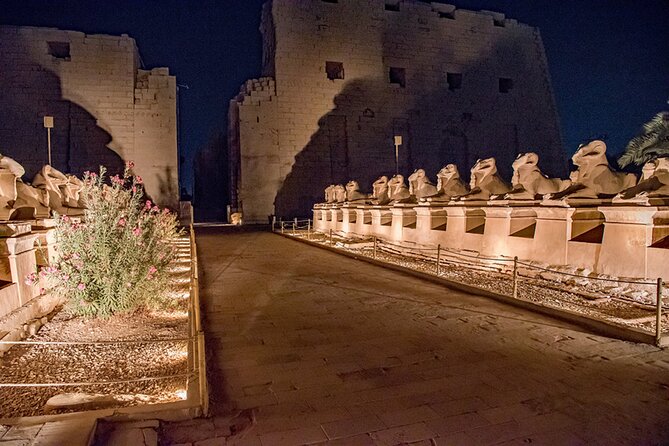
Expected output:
(325, 349)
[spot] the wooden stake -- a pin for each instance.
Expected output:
(658, 314)
(515, 277)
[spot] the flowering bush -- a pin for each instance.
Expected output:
(114, 259)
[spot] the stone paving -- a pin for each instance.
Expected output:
(310, 347)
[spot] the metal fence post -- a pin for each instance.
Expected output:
(374, 246)
(330, 237)
(294, 225)
(658, 315)
(515, 278)
(308, 229)
(273, 222)
(438, 259)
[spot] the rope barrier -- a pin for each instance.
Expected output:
(141, 341)
(99, 383)
(583, 277)
(502, 259)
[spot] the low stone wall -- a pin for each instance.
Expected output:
(614, 239)
(24, 245)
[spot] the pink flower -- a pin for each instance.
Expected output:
(129, 164)
(138, 179)
(153, 269)
(31, 279)
(134, 189)
(65, 218)
(137, 231)
(81, 286)
(166, 211)
(121, 222)
(116, 180)
(148, 204)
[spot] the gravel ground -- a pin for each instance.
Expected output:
(107, 362)
(626, 304)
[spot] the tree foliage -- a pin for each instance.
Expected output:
(653, 142)
(115, 258)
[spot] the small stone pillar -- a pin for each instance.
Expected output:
(628, 234)
(403, 219)
(552, 234)
(496, 239)
(17, 258)
(363, 221)
(349, 217)
(45, 244)
(382, 219)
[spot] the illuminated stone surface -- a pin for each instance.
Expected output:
(456, 85)
(325, 348)
(105, 108)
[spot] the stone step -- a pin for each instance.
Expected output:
(72, 432)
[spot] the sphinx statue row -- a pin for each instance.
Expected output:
(594, 178)
(50, 190)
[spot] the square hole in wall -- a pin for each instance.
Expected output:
(392, 5)
(397, 76)
(334, 70)
(330, 1)
(505, 84)
(59, 50)
(454, 81)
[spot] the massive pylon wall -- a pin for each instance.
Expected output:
(342, 77)
(105, 108)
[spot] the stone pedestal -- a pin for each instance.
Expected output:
(363, 221)
(496, 240)
(9, 298)
(551, 235)
(431, 222)
(465, 226)
(382, 219)
(629, 235)
(17, 260)
(349, 217)
(403, 222)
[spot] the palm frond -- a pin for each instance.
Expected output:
(652, 143)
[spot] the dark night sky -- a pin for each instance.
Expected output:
(608, 58)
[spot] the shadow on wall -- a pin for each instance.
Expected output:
(438, 125)
(166, 189)
(77, 143)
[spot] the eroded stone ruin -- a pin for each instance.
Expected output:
(341, 78)
(106, 108)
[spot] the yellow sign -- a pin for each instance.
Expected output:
(48, 122)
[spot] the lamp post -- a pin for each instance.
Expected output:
(48, 125)
(398, 143)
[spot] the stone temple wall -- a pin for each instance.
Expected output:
(106, 110)
(344, 76)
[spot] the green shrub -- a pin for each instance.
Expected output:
(114, 259)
